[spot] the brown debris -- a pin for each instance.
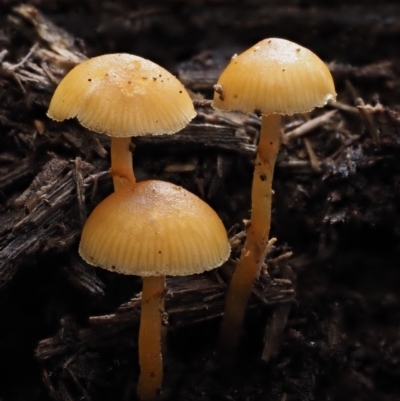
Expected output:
(39, 222)
(310, 125)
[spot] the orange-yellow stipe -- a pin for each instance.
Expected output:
(254, 249)
(121, 162)
(273, 77)
(150, 358)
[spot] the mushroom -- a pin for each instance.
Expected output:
(122, 95)
(272, 78)
(153, 229)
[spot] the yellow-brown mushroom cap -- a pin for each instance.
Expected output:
(274, 76)
(154, 228)
(122, 95)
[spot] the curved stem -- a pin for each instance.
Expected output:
(150, 358)
(253, 252)
(121, 162)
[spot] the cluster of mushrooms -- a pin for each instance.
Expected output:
(135, 229)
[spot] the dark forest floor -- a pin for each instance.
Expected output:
(323, 324)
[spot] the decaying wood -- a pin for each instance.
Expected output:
(203, 136)
(40, 221)
(339, 181)
(54, 51)
(189, 300)
(273, 334)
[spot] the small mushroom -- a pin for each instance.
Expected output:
(122, 95)
(272, 78)
(153, 229)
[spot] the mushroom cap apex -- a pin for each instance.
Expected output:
(154, 228)
(274, 76)
(122, 95)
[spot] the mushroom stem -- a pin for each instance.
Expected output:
(150, 358)
(121, 162)
(254, 250)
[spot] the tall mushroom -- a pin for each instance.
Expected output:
(272, 78)
(152, 229)
(122, 95)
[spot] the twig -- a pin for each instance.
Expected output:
(310, 125)
(203, 103)
(3, 55)
(364, 114)
(274, 330)
(367, 117)
(80, 192)
(78, 384)
(50, 75)
(345, 145)
(49, 385)
(311, 154)
(344, 107)
(22, 62)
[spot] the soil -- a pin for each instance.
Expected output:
(324, 319)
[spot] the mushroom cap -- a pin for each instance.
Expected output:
(122, 95)
(154, 228)
(274, 76)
